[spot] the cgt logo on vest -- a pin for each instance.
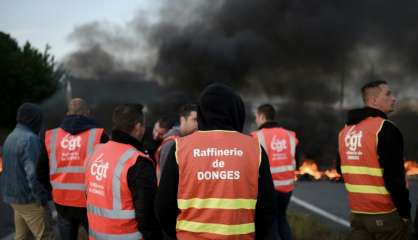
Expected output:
(99, 168)
(352, 142)
(71, 142)
(278, 144)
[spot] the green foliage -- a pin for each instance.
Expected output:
(306, 227)
(26, 75)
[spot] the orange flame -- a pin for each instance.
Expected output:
(332, 174)
(411, 167)
(309, 167)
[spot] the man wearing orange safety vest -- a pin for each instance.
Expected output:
(61, 168)
(281, 146)
(188, 125)
(371, 161)
(216, 183)
(121, 182)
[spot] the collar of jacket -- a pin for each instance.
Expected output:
(122, 137)
(357, 115)
(269, 124)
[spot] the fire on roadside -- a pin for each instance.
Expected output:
(411, 167)
(310, 168)
(332, 174)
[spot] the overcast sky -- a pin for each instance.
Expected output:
(50, 22)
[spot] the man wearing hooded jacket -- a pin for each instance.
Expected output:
(216, 183)
(19, 185)
(371, 161)
(62, 164)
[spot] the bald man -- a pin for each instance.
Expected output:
(61, 166)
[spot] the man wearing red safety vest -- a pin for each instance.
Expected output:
(371, 161)
(216, 183)
(121, 182)
(188, 125)
(281, 147)
(62, 165)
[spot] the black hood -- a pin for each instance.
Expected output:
(30, 115)
(75, 124)
(357, 115)
(220, 108)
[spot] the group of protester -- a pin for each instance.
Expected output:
(204, 179)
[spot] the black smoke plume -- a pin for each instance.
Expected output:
(296, 53)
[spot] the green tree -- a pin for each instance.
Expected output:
(26, 75)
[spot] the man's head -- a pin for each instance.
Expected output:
(161, 127)
(78, 106)
(129, 118)
(30, 115)
(265, 113)
(377, 94)
(188, 119)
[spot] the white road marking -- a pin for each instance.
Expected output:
(321, 212)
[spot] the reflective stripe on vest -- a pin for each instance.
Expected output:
(281, 169)
(68, 186)
(214, 228)
(220, 203)
(117, 204)
(53, 169)
(114, 214)
(279, 183)
(103, 236)
(361, 169)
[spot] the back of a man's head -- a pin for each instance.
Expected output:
(267, 110)
(371, 89)
(125, 117)
(220, 108)
(30, 115)
(78, 106)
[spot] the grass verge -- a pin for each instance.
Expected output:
(306, 227)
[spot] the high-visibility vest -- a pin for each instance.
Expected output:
(67, 159)
(218, 185)
(280, 145)
(110, 207)
(157, 154)
(362, 173)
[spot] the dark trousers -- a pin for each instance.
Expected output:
(281, 225)
(69, 219)
(387, 226)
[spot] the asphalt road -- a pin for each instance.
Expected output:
(331, 197)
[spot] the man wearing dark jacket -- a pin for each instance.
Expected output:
(61, 166)
(121, 182)
(216, 182)
(282, 148)
(372, 164)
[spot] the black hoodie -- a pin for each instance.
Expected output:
(390, 152)
(72, 124)
(219, 108)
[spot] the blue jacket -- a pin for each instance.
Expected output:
(18, 182)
